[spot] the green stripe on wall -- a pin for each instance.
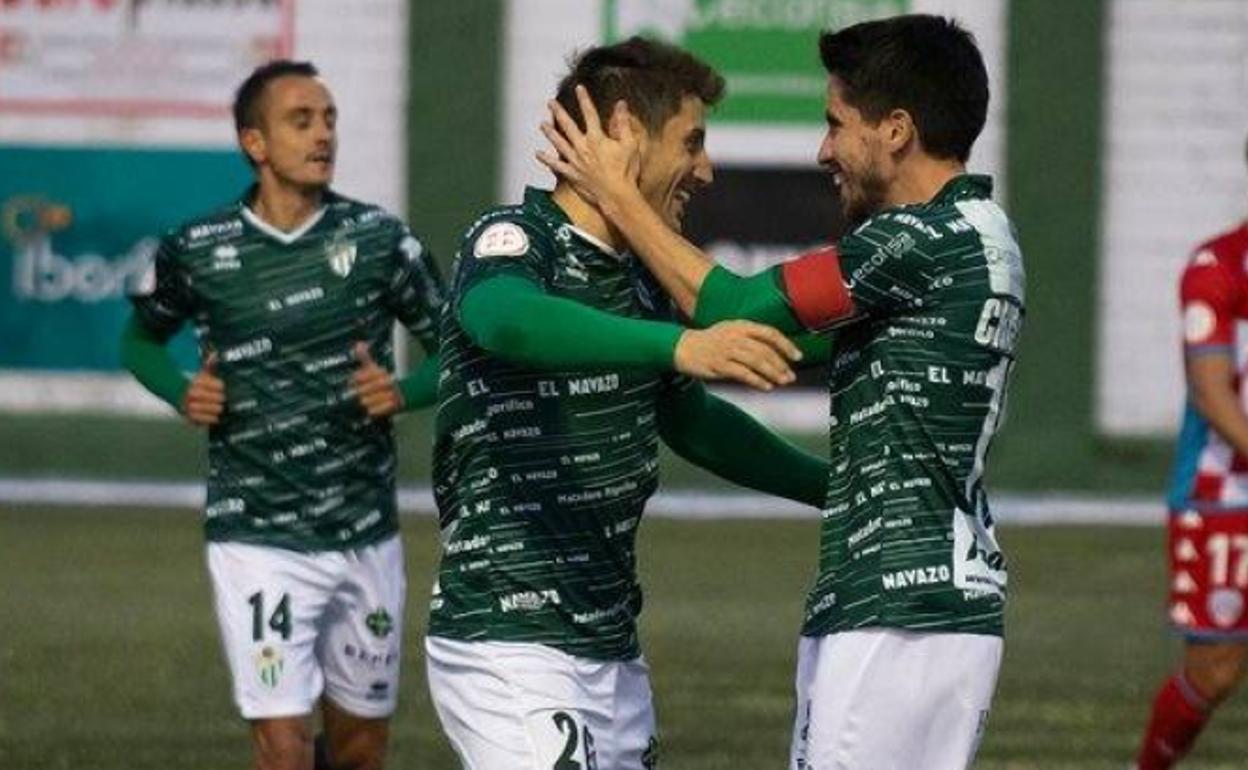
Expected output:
(1056, 65)
(454, 117)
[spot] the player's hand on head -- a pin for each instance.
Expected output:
(748, 352)
(599, 161)
(204, 401)
(375, 387)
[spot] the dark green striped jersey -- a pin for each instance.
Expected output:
(540, 476)
(295, 462)
(917, 390)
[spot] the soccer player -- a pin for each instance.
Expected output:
(560, 375)
(902, 637)
(1208, 504)
(294, 291)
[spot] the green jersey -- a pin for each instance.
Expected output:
(917, 390)
(295, 462)
(540, 476)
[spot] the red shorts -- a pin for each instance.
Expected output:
(1209, 573)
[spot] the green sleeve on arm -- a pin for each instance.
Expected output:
(419, 388)
(816, 348)
(719, 437)
(147, 358)
(515, 319)
(726, 296)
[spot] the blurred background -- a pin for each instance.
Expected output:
(1116, 137)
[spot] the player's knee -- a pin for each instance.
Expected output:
(361, 748)
(1217, 671)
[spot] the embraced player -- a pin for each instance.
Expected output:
(294, 291)
(561, 370)
(902, 637)
(1208, 529)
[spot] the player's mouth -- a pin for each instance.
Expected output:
(323, 159)
(838, 175)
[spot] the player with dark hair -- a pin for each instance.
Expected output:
(562, 368)
(901, 642)
(294, 291)
(1208, 524)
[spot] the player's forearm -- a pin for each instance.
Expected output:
(719, 437)
(148, 359)
(1222, 410)
(727, 296)
(419, 387)
(679, 266)
(517, 321)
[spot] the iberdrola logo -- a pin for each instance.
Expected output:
(269, 665)
(379, 622)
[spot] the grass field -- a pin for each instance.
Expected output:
(109, 657)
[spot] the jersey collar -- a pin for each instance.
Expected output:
(540, 200)
(963, 187)
(282, 236)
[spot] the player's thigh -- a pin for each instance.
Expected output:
(269, 603)
(894, 700)
(1209, 574)
(353, 741)
(362, 638)
(505, 706)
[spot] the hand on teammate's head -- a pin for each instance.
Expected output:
(204, 401)
(375, 387)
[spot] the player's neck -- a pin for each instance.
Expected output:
(920, 177)
(586, 216)
(286, 207)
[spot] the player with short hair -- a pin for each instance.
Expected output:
(1208, 523)
(562, 369)
(294, 291)
(902, 636)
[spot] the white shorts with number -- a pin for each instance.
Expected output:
(298, 625)
(887, 699)
(517, 706)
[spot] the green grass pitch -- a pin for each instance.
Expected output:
(109, 657)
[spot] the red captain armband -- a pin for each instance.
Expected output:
(816, 289)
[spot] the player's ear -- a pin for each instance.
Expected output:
(253, 144)
(899, 130)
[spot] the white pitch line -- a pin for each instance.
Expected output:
(1055, 508)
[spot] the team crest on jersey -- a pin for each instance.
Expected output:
(341, 256)
(1199, 322)
(501, 239)
(1226, 607)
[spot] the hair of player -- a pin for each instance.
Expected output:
(928, 66)
(249, 97)
(653, 79)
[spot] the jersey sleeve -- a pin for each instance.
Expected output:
(416, 292)
(497, 248)
(1209, 295)
(164, 299)
(885, 268)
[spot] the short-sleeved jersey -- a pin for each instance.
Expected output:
(295, 462)
(917, 390)
(540, 476)
(1209, 474)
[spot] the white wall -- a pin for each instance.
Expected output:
(1176, 118)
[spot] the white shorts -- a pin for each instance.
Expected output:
(888, 699)
(518, 706)
(296, 625)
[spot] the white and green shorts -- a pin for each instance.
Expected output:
(296, 626)
(520, 706)
(890, 699)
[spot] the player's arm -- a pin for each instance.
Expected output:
(415, 295)
(808, 293)
(161, 305)
(514, 318)
(716, 435)
(1211, 387)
